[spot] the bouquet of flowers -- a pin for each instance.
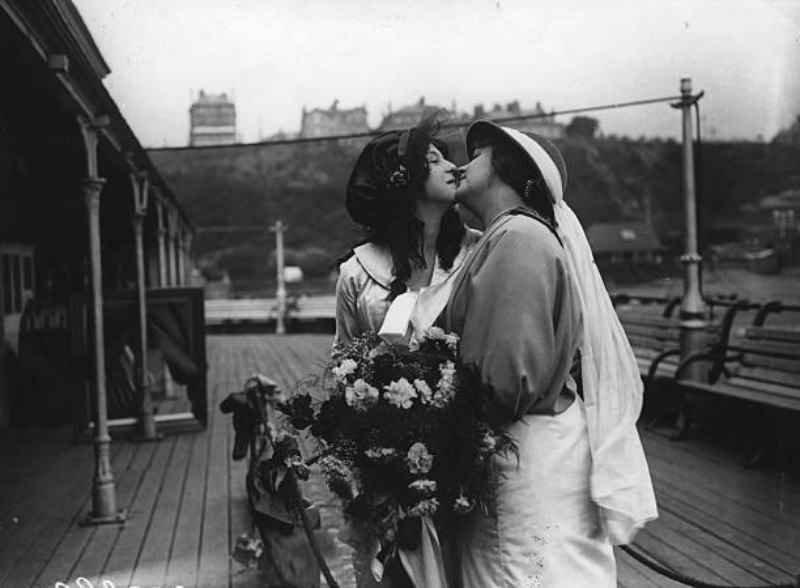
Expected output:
(404, 432)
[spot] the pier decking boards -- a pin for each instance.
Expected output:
(186, 503)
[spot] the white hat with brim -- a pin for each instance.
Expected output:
(543, 154)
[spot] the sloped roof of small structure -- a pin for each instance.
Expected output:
(622, 236)
(56, 28)
(787, 199)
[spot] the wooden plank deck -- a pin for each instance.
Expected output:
(185, 499)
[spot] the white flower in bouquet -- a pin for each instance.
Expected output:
(424, 391)
(452, 341)
(338, 476)
(424, 508)
(423, 488)
(446, 387)
(435, 334)
(379, 349)
(344, 369)
(400, 393)
(333, 466)
(361, 396)
(418, 459)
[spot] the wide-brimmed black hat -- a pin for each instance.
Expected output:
(388, 170)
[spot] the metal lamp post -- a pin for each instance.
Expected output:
(692, 312)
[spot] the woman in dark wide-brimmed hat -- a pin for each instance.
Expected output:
(402, 191)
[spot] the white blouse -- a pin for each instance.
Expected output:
(364, 283)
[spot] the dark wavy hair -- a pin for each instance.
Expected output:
(513, 166)
(401, 231)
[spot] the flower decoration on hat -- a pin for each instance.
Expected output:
(399, 178)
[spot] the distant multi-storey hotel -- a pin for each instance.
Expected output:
(321, 122)
(408, 116)
(536, 120)
(212, 120)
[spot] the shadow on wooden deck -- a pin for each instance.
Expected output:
(719, 522)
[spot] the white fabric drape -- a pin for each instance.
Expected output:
(612, 387)
(408, 316)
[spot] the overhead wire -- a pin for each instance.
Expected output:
(445, 125)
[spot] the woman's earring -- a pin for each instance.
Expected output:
(529, 185)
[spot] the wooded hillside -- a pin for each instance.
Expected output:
(303, 184)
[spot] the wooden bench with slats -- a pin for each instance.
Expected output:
(655, 336)
(762, 367)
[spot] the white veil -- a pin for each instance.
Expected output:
(612, 392)
(612, 386)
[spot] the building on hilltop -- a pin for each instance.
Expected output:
(544, 124)
(321, 122)
(212, 120)
(409, 116)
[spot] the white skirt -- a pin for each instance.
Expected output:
(546, 531)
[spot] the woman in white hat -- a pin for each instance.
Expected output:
(528, 302)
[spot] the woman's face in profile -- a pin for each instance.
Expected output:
(476, 175)
(441, 183)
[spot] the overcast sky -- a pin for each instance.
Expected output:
(276, 56)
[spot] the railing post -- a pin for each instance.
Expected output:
(280, 327)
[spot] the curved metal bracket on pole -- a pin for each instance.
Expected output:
(688, 100)
(140, 183)
(89, 128)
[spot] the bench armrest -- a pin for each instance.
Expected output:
(717, 360)
(651, 372)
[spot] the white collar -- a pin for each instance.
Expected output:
(377, 261)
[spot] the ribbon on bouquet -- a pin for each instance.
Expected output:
(425, 564)
(394, 329)
(414, 310)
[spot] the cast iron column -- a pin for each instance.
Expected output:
(104, 503)
(692, 314)
(147, 421)
(162, 250)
